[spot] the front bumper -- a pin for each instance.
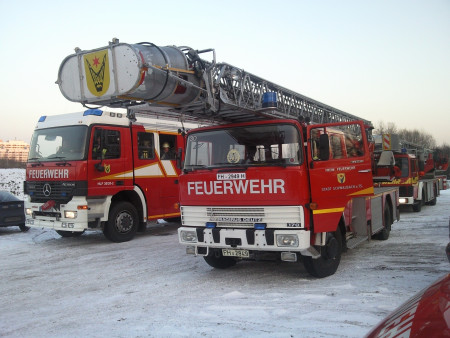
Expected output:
(56, 219)
(200, 240)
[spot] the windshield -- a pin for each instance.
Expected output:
(254, 145)
(56, 144)
(402, 163)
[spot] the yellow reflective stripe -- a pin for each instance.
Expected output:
(175, 214)
(368, 191)
(327, 211)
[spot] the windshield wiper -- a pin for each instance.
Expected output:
(64, 161)
(36, 164)
(195, 167)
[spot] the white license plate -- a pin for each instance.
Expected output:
(236, 253)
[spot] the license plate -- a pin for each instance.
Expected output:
(236, 253)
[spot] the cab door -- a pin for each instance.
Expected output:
(110, 163)
(340, 169)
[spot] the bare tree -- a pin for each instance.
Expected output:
(385, 128)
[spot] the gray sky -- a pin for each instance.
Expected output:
(380, 60)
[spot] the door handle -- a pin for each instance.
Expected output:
(364, 171)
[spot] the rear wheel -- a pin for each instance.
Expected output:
(122, 222)
(218, 261)
(327, 264)
(433, 201)
(384, 234)
(23, 228)
(69, 233)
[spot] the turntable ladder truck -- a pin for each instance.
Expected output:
(417, 180)
(276, 175)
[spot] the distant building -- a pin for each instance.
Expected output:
(14, 150)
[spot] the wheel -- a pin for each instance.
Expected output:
(69, 233)
(218, 261)
(327, 264)
(23, 228)
(384, 234)
(417, 206)
(433, 201)
(122, 223)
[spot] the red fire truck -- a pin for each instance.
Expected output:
(441, 161)
(416, 176)
(276, 174)
(102, 170)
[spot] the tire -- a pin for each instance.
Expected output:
(327, 264)
(384, 234)
(23, 228)
(218, 261)
(122, 224)
(69, 233)
(433, 201)
(417, 206)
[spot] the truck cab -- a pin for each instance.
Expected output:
(101, 170)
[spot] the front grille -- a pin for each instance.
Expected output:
(243, 217)
(235, 212)
(406, 191)
(59, 191)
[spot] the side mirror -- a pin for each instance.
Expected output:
(100, 167)
(324, 147)
(179, 156)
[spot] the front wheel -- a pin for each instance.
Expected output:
(218, 261)
(328, 262)
(417, 206)
(122, 222)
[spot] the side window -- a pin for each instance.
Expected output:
(146, 146)
(106, 144)
(168, 147)
(336, 146)
(343, 142)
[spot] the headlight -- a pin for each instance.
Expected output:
(287, 240)
(70, 214)
(188, 236)
(28, 212)
(402, 200)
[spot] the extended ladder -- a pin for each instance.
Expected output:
(176, 82)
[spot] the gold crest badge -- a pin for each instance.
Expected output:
(341, 177)
(233, 156)
(96, 68)
(107, 168)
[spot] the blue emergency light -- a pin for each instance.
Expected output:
(94, 112)
(269, 100)
(210, 225)
(42, 118)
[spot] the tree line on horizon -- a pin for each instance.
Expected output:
(11, 164)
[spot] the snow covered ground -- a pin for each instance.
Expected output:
(52, 286)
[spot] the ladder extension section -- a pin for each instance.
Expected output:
(176, 82)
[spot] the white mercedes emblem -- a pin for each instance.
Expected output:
(47, 189)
